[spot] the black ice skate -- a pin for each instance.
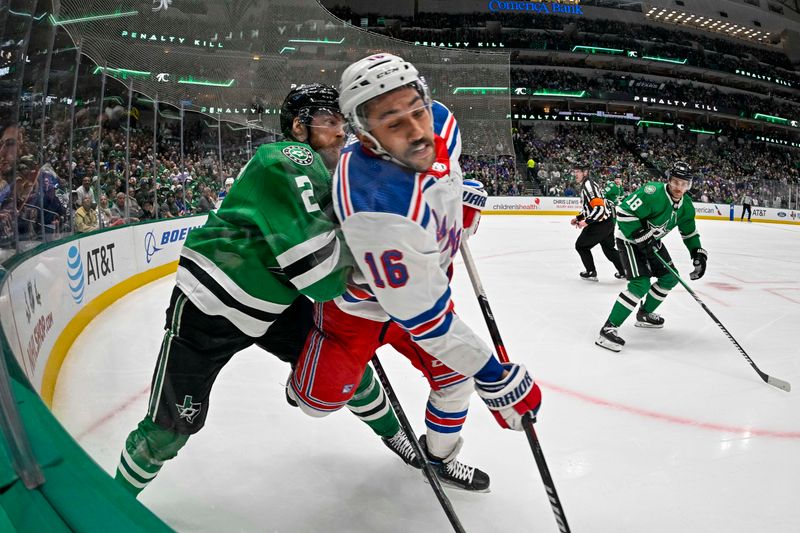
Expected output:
(456, 474)
(648, 320)
(609, 339)
(619, 275)
(400, 445)
(589, 275)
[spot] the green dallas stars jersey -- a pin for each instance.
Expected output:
(612, 192)
(269, 242)
(651, 207)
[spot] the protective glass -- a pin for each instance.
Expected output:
(327, 119)
(398, 118)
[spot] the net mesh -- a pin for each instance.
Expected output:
(237, 59)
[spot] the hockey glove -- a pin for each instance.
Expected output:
(511, 397)
(699, 258)
(645, 240)
(473, 200)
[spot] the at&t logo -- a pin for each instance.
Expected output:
(75, 274)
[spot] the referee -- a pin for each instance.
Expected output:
(596, 225)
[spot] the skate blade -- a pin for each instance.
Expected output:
(589, 279)
(448, 485)
(608, 345)
(648, 325)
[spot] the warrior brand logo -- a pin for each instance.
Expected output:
(299, 154)
(474, 199)
(188, 409)
(512, 397)
(347, 389)
(75, 273)
(150, 247)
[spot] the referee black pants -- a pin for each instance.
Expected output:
(601, 233)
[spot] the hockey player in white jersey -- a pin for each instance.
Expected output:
(398, 195)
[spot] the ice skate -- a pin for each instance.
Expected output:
(401, 446)
(456, 474)
(589, 275)
(648, 320)
(609, 339)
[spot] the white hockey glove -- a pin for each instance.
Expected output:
(473, 200)
(510, 398)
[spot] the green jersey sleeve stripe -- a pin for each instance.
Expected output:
(690, 235)
(229, 285)
(305, 248)
(308, 262)
(319, 272)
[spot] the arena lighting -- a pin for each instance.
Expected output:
(124, 73)
(192, 81)
(317, 41)
(40, 17)
(89, 18)
(566, 94)
(704, 132)
(666, 60)
(287, 49)
(479, 90)
(654, 123)
(595, 49)
(771, 118)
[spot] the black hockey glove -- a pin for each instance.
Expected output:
(646, 242)
(699, 258)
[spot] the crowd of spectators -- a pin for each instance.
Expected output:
(156, 184)
(610, 86)
(724, 169)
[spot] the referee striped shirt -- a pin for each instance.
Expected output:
(594, 207)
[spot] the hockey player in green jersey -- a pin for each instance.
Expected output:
(247, 277)
(613, 191)
(643, 219)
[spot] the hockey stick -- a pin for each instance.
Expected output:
(527, 420)
(775, 382)
(427, 469)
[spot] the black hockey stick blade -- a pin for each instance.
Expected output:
(775, 382)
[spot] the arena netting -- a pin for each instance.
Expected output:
(235, 60)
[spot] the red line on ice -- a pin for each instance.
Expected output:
(111, 414)
(671, 418)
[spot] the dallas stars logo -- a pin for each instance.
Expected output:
(189, 409)
(299, 154)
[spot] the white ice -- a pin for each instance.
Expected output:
(676, 433)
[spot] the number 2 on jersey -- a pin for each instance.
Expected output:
(307, 194)
(395, 271)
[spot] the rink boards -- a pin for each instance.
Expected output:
(50, 294)
(546, 205)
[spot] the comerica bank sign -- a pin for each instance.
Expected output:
(550, 7)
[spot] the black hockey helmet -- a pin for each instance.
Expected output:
(305, 100)
(681, 170)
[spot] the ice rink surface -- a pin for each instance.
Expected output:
(675, 433)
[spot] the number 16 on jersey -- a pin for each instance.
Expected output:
(394, 271)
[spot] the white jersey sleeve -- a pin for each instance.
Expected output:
(401, 264)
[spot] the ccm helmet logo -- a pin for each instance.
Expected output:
(386, 72)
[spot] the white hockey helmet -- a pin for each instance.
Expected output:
(371, 77)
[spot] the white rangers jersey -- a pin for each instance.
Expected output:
(404, 228)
